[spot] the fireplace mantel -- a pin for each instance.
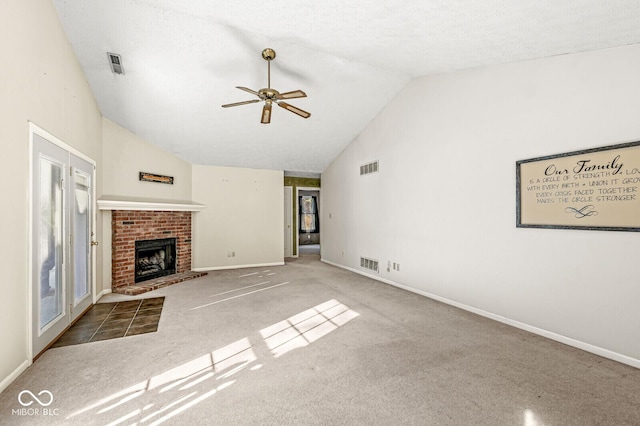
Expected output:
(148, 204)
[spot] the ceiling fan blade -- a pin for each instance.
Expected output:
(253, 101)
(266, 113)
(295, 110)
(292, 94)
(253, 92)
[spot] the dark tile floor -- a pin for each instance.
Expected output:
(112, 320)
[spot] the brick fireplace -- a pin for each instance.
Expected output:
(129, 226)
(145, 219)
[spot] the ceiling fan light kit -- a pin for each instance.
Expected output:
(271, 96)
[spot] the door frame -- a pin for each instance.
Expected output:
(36, 130)
(297, 215)
(288, 210)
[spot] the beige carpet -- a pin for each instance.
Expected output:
(311, 344)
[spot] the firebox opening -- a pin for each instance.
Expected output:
(155, 258)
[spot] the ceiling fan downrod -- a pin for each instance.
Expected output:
(269, 55)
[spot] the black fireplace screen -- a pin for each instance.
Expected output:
(155, 258)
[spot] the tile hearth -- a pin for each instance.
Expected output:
(113, 320)
(154, 284)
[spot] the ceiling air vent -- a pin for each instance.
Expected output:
(115, 61)
(367, 263)
(371, 167)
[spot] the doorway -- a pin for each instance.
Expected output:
(61, 232)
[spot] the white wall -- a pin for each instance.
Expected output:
(244, 214)
(443, 203)
(126, 155)
(41, 81)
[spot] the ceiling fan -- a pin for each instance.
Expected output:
(271, 96)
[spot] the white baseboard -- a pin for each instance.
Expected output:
(605, 353)
(14, 375)
(219, 268)
(102, 293)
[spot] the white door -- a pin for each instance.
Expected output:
(61, 229)
(288, 212)
(81, 217)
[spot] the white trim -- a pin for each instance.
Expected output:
(94, 233)
(14, 374)
(148, 205)
(33, 128)
(220, 268)
(102, 293)
(597, 350)
(29, 319)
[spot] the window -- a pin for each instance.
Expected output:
(308, 214)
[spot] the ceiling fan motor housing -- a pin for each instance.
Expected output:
(268, 93)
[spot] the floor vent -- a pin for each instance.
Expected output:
(368, 168)
(367, 263)
(116, 63)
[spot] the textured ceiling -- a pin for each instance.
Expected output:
(183, 59)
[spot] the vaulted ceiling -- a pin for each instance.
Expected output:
(183, 58)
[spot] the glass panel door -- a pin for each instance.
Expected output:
(81, 218)
(61, 229)
(49, 225)
(81, 236)
(50, 249)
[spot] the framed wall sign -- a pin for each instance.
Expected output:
(595, 189)
(151, 177)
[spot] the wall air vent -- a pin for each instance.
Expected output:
(368, 168)
(115, 61)
(367, 263)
